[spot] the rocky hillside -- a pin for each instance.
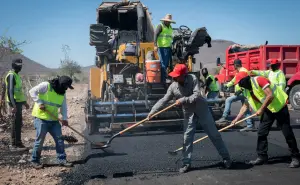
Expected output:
(208, 56)
(29, 66)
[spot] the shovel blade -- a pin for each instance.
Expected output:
(99, 145)
(172, 153)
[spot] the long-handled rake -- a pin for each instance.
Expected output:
(99, 144)
(198, 140)
(135, 125)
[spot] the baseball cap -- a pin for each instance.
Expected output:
(66, 80)
(240, 76)
(237, 62)
(274, 61)
(17, 62)
(179, 70)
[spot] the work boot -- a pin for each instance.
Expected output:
(64, 163)
(295, 163)
(184, 168)
(221, 120)
(15, 148)
(259, 161)
(227, 163)
(248, 129)
(37, 165)
(21, 145)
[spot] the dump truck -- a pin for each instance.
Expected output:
(257, 57)
(125, 83)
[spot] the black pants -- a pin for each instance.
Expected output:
(283, 120)
(16, 125)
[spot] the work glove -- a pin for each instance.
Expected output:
(237, 93)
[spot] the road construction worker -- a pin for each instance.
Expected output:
(50, 96)
(270, 103)
(163, 39)
(186, 89)
(238, 96)
(16, 99)
(275, 75)
(211, 86)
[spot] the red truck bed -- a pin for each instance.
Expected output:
(257, 59)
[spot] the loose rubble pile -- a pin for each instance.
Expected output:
(15, 167)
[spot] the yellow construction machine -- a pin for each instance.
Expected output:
(124, 41)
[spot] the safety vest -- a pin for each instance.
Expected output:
(165, 38)
(277, 77)
(279, 101)
(52, 102)
(213, 86)
(231, 83)
(19, 96)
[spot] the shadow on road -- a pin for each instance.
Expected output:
(97, 155)
(235, 166)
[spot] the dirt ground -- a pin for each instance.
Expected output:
(15, 167)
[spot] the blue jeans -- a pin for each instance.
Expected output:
(165, 56)
(212, 95)
(42, 128)
(228, 103)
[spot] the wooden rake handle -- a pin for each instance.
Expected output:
(146, 119)
(54, 117)
(227, 127)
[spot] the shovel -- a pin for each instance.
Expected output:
(98, 144)
(198, 140)
(135, 125)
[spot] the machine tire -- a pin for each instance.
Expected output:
(294, 97)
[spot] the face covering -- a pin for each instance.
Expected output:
(17, 68)
(274, 67)
(58, 87)
(245, 83)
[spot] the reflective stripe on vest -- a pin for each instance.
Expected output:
(165, 38)
(19, 96)
(279, 101)
(274, 78)
(52, 102)
(213, 85)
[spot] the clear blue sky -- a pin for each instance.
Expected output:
(48, 24)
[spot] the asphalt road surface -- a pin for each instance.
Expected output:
(144, 160)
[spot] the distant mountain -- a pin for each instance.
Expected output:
(29, 66)
(208, 56)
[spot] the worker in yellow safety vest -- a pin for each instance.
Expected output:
(211, 86)
(275, 75)
(236, 97)
(270, 103)
(163, 39)
(50, 96)
(15, 99)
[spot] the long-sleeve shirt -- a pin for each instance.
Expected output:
(156, 34)
(43, 88)
(11, 82)
(186, 94)
(276, 77)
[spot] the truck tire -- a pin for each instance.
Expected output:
(294, 97)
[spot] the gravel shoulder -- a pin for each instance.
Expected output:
(15, 167)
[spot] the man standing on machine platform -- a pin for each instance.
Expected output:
(163, 39)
